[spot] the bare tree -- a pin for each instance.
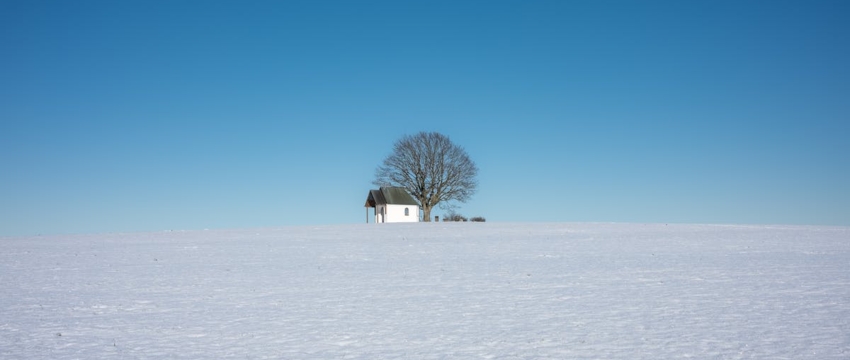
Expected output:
(431, 168)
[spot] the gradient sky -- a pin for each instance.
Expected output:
(120, 116)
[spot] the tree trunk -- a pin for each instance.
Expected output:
(426, 214)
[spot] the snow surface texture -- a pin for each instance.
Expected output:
(431, 291)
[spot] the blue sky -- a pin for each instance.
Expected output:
(155, 115)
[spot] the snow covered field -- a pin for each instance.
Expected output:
(431, 291)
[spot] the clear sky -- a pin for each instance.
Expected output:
(155, 115)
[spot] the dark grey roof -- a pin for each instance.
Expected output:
(389, 195)
(375, 197)
(398, 196)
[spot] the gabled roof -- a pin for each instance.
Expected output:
(375, 197)
(398, 196)
(389, 195)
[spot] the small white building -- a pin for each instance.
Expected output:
(392, 204)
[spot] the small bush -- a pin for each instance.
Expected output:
(454, 217)
(478, 219)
